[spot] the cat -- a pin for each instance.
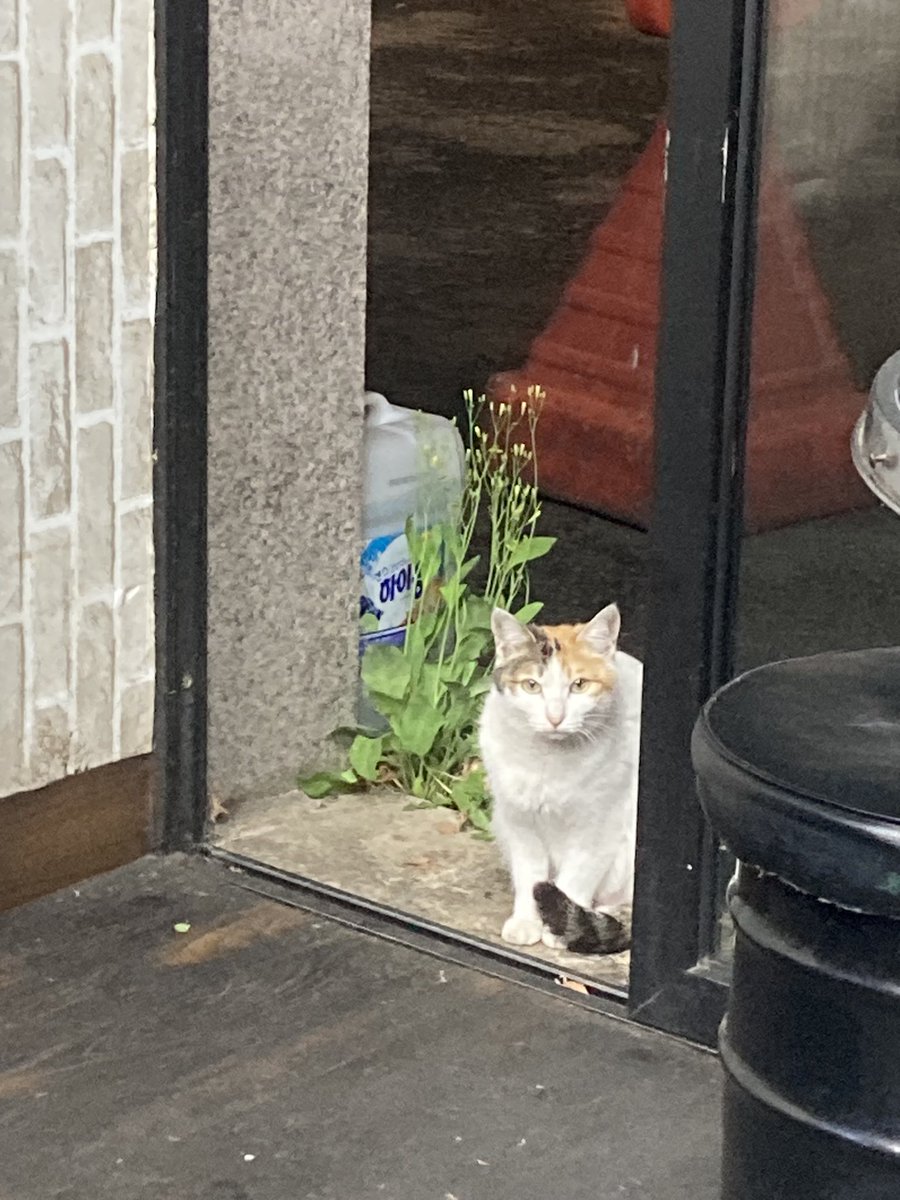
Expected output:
(559, 739)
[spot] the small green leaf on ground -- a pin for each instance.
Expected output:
(182, 927)
(365, 755)
(321, 784)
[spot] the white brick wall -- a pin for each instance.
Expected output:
(77, 247)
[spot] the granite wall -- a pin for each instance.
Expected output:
(288, 170)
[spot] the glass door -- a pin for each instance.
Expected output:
(821, 557)
(820, 564)
(793, 555)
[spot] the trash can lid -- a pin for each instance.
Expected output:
(798, 764)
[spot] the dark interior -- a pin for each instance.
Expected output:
(500, 135)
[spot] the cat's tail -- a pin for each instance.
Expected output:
(583, 931)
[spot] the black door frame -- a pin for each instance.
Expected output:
(715, 112)
(702, 387)
(180, 418)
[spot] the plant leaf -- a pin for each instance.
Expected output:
(479, 819)
(323, 783)
(466, 671)
(478, 613)
(365, 755)
(482, 685)
(469, 795)
(529, 612)
(530, 548)
(385, 670)
(453, 590)
(416, 726)
(424, 626)
(472, 645)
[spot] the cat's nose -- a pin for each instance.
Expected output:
(555, 719)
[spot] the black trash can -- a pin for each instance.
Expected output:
(798, 767)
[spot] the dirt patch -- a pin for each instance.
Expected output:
(415, 860)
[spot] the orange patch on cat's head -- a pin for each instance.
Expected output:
(583, 652)
(578, 658)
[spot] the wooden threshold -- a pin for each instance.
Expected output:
(77, 827)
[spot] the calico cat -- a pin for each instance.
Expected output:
(559, 738)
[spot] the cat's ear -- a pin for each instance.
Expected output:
(509, 633)
(602, 632)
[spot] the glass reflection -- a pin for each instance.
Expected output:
(821, 558)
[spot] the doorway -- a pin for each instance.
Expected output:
(262, 637)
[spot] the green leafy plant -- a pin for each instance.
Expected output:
(430, 690)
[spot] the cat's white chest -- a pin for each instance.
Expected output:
(576, 796)
(540, 784)
(541, 780)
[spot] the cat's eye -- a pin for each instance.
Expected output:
(579, 685)
(531, 686)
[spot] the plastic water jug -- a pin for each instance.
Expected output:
(414, 467)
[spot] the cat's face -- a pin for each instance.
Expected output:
(558, 678)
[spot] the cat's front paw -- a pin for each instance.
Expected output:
(553, 940)
(522, 931)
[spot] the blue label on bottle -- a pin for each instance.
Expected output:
(387, 589)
